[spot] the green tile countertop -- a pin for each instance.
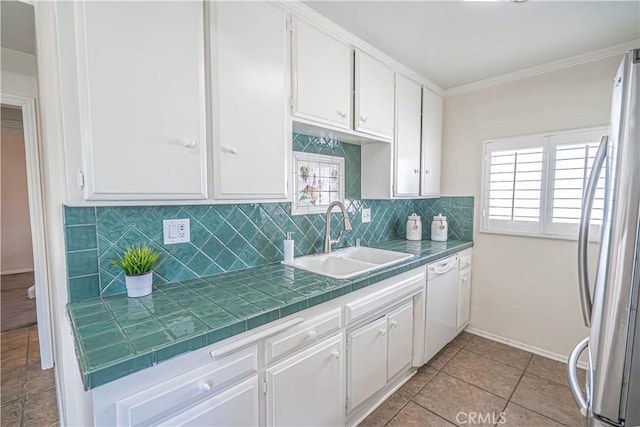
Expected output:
(116, 335)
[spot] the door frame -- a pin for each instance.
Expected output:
(36, 216)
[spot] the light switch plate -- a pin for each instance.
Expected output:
(366, 215)
(176, 231)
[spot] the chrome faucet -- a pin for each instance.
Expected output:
(347, 226)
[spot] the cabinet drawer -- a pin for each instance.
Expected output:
(302, 335)
(465, 259)
(191, 387)
(379, 300)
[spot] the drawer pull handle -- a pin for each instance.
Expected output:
(335, 354)
(190, 143)
(312, 334)
(383, 331)
(394, 324)
(229, 150)
(206, 385)
(341, 114)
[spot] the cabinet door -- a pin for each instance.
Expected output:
(400, 345)
(141, 99)
(373, 96)
(252, 137)
(307, 389)
(237, 406)
(322, 76)
(431, 142)
(407, 136)
(464, 298)
(367, 369)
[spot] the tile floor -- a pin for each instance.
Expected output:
(474, 375)
(18, 311)
(28, 393)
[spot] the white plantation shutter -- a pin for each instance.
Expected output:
(533, 185)
(573, 157)
(514, 181)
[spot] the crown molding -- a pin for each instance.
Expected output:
(584, 58)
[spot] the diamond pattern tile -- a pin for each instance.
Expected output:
(232, 237)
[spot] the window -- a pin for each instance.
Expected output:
(533, 184)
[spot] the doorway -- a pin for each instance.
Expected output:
(17, 284)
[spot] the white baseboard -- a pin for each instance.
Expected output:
(23, 270)
(531, 349)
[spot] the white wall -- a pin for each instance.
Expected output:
(16, 253)
(19, 74)
(523, 289)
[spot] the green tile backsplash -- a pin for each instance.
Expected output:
(237, 236)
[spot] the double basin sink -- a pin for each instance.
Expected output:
(349, 262)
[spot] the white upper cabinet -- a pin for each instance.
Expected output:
(322, 76)
(407, 137)
(251, 132)
(140, 114)
(431, 143)
(373, 108)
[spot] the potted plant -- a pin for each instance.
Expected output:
(137, 263)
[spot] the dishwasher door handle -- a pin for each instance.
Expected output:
(443, 267)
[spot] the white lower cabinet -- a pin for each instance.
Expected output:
(400, 342)
(307, 388)
(367, 369)
(238, 406)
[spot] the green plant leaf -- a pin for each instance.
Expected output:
(138, 259)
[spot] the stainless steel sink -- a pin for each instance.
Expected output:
(349, 262)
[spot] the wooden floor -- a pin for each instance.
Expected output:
(28, 393)
(18, 311)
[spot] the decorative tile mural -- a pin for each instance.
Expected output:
(319, 181)
(233, 237)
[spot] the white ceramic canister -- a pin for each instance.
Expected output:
(414, 227)
(439, 228)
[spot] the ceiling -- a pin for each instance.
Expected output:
(18, 27)
(454, 43)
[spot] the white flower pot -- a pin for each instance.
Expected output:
(139, 285)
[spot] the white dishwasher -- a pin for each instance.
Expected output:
(442, 305)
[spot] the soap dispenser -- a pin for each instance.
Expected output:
(289, 248)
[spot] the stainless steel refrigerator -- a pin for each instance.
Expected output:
(610, 303)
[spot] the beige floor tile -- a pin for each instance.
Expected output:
(462, 339)
(485, 373)
(12, 360)
(413, 415)
(13, 340)
(501, 352)
(13, 385)
(416, 382)
(38, 379)
(456, 400)
(384, 412)
(40, 409)
(517, 416)
(553, 370)
(548, 398)
(439, 360)
(11, 414)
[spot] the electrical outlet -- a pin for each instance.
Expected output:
(366, 215)
(176, 231)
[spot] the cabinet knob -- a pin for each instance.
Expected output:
(416, 171)
(464, 279)
(206, 385)
(335, 354)
(426, 171)
(341, 114)
(383, 331)
(363, 119)
(312, 334)
(191, 143)
(229, 150)
(393, 324)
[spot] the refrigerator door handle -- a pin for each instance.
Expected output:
(572, 374)
(583, 234)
